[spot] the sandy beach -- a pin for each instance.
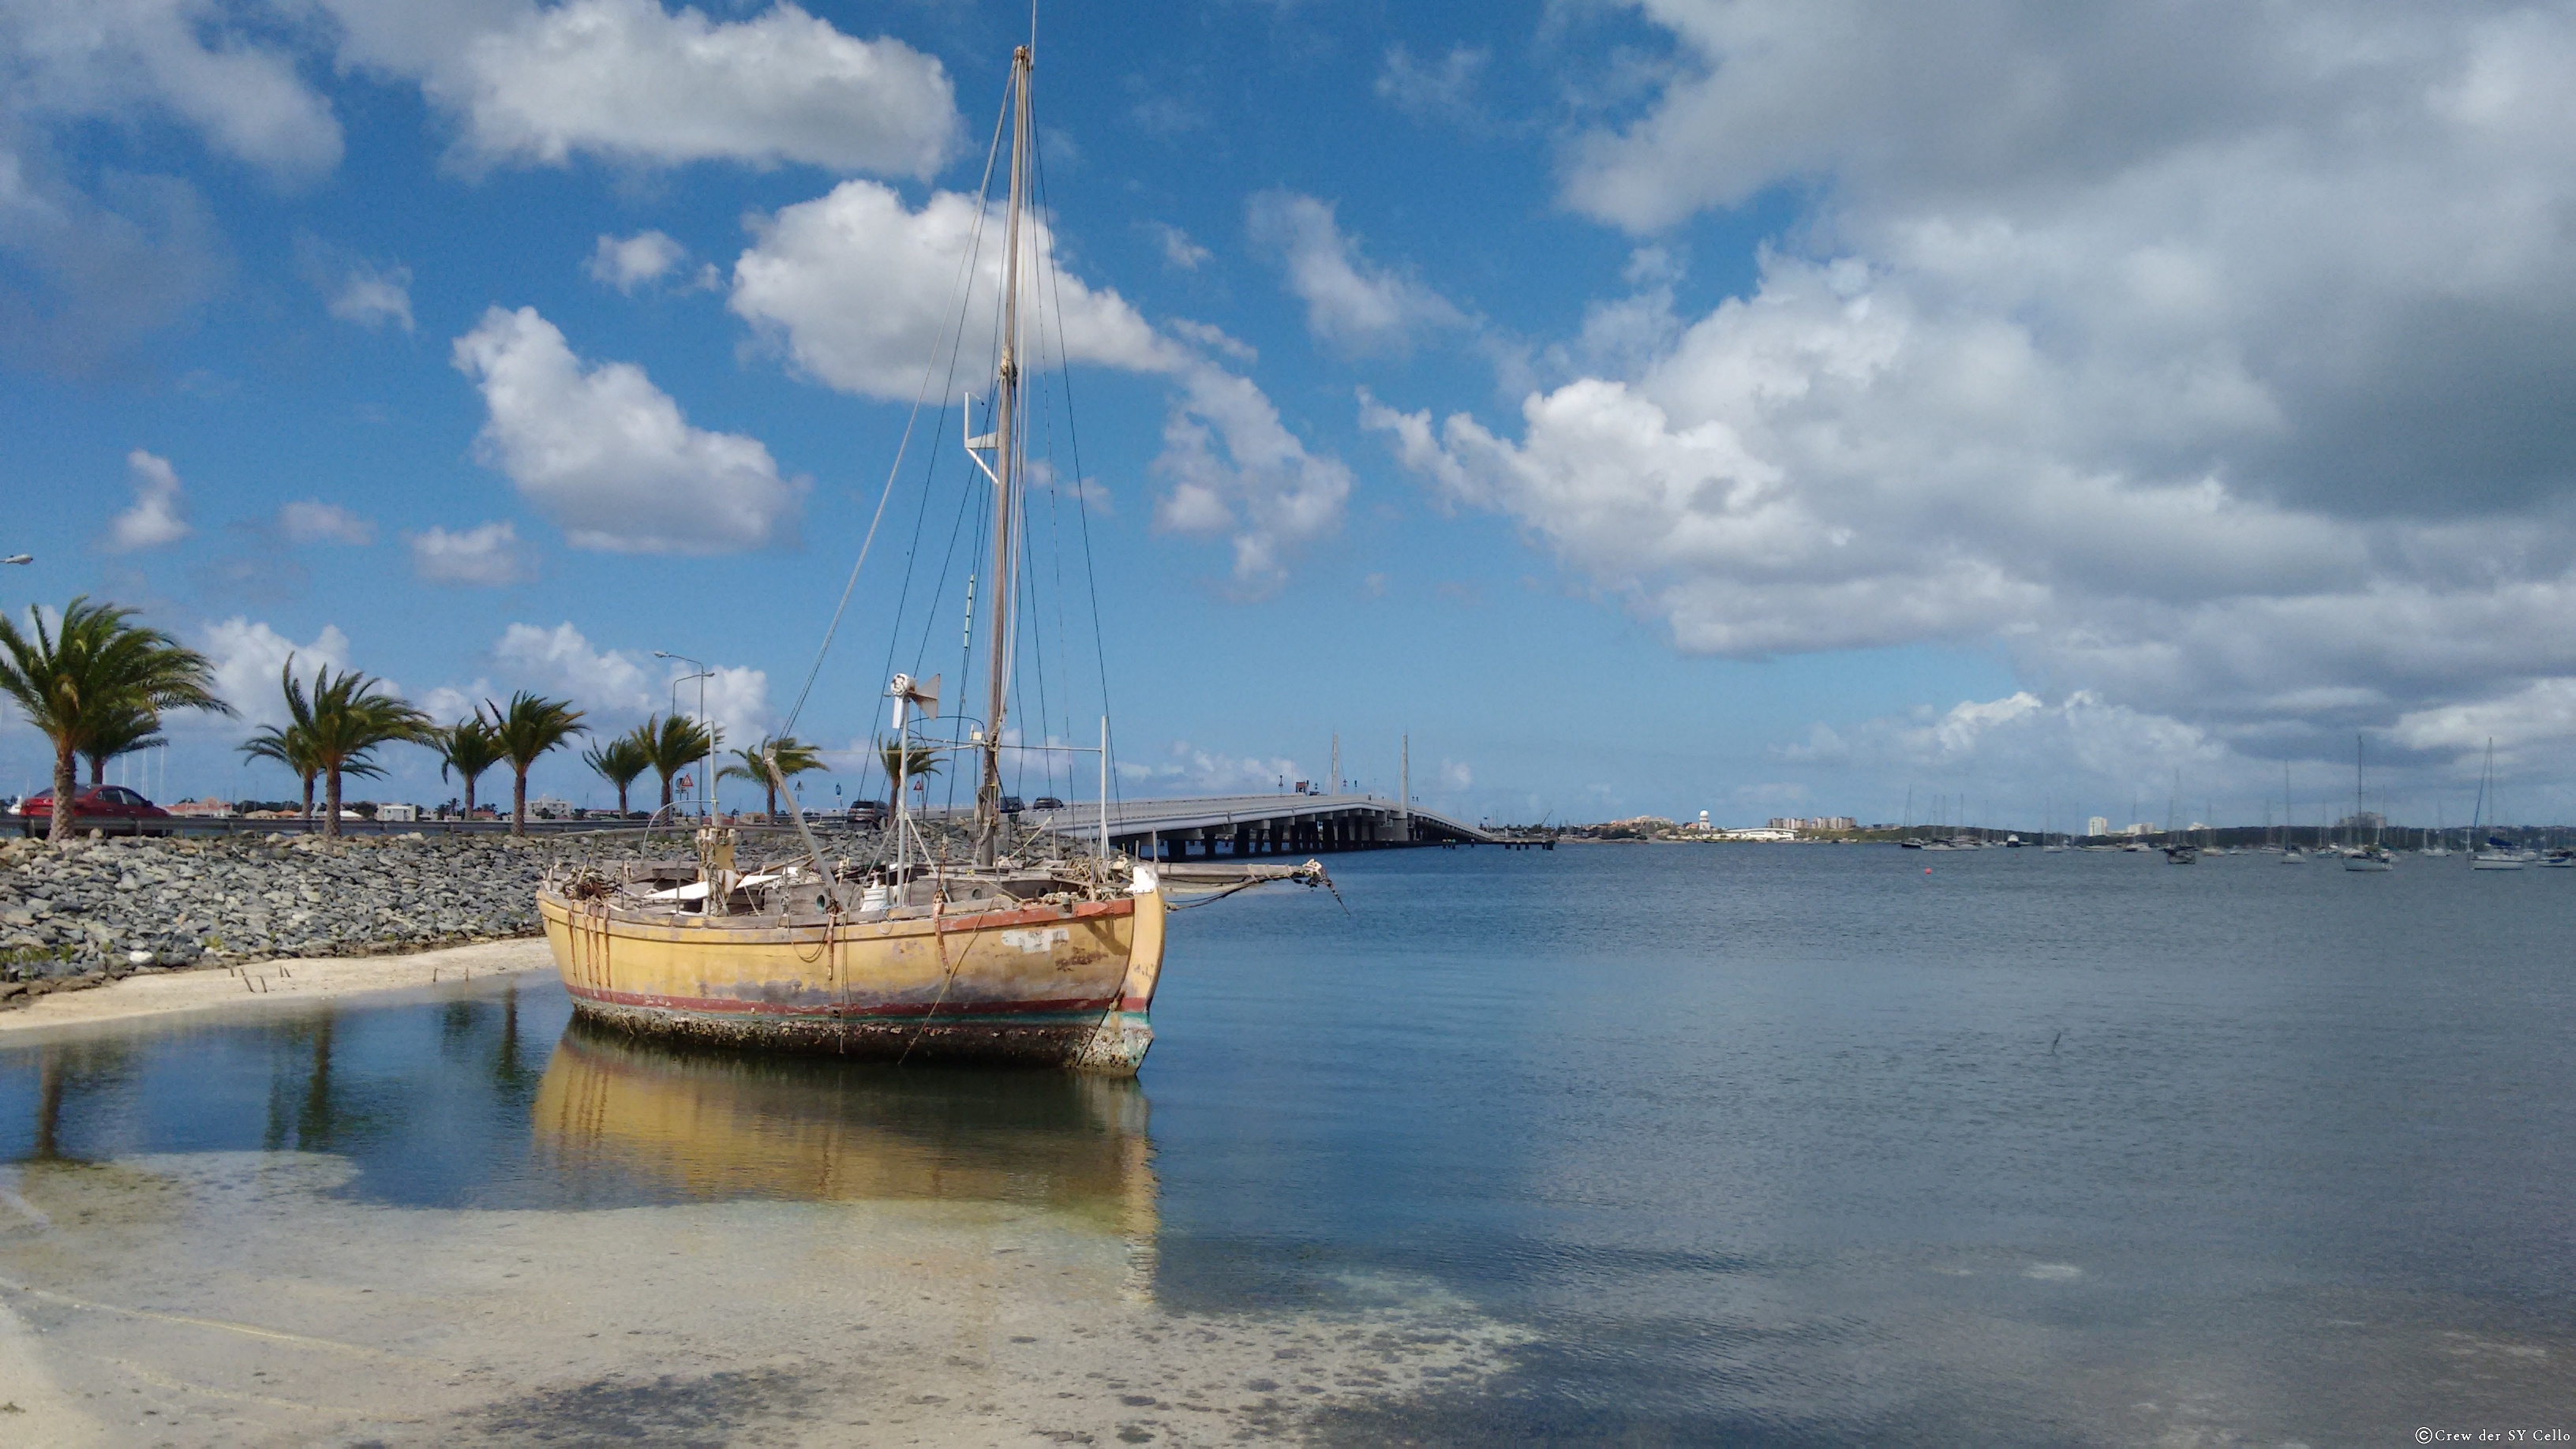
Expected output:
(313, 979)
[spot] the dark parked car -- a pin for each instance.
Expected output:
(867, 815)
(98, 803)
(1011, 805)
(1046, 802)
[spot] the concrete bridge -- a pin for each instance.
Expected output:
(1255, 825)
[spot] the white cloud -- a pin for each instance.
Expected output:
(859, 291)
(1186, 770)
(1351, 303)
(487, 556)
(2015, 760)
(629, 82)
(212, 67)
(372, 296)
(1179, 251)
(561, 661)
(353, 288)
(1445, 86)
(622, 686)
(1235, 470)
(313, 521)
(609, 456)
(1457, 776)
(1213, 339)
(449, 704)
(156, 519)
(627, 263)
(247, 656)
(99, 256)
(95, 270)
(2220, 369)
(2541, 712)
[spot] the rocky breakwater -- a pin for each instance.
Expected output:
(92, 911)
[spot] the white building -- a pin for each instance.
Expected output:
(2098, 825)
(398, 814)
(547, 807)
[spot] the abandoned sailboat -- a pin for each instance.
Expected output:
(948, 937)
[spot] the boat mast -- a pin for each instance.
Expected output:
(1007, 449)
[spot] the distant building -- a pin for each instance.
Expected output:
(2098, 825)
(2366, 820)
(547, 807)
(1703, 820)
(2138, 827)
(209, 808)
(1814, 822)
(1758, 833)
(398, 814)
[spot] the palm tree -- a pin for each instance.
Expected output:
(526, 730)
(794, 757)
(291, 747)
(73, 680)
(675, 742)
(346, 720)
(619, 761)
(906, 762)
(469, 748)
(124, 731)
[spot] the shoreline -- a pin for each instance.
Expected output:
(282, 979)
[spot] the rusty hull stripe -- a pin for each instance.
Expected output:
(924, 925)
(723, 1006)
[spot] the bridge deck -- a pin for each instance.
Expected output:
(1264, 824)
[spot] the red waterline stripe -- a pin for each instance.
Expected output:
(719, 1006)
(945, 925)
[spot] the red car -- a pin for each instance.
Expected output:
(94, 803)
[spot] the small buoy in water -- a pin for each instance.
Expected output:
(1927, 870)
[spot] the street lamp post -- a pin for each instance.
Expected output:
(707, 785)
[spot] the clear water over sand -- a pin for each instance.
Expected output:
(1736, 1144)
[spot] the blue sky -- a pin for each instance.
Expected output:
(1760, 408)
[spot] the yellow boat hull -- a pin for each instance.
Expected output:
(1068, 985)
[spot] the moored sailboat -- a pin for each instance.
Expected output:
(984, 942)
(2358, 854)
(2496, 852)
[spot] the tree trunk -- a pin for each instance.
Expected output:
(66, 790)
(331, 802)
(621, 802)
(308, 799)
(469, 799)
(98, 769)
(519, 800)
(666, 787)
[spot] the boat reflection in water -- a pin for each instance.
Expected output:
(615, 1115)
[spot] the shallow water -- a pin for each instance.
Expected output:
(1643, 1144)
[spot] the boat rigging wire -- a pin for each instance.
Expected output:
(1091, 575)
(896, 468)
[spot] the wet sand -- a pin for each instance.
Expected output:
(236, 1298)
(299, 981)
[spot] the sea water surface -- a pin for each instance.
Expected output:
(1707, 1144)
